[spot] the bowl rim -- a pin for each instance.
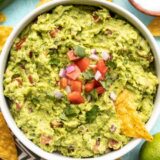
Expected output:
(30, 17)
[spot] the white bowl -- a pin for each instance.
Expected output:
(3, 62)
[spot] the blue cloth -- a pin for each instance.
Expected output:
(16, 10)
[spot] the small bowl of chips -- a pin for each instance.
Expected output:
(130, 116)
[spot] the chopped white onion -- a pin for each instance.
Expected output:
(92, 66)
(94, 57)
(93, 51)
(98, 75)
(113, 96)
(62, 72)
(68, 89)
(70, 69)
(105, 55)
(89, 97)
(58, 94)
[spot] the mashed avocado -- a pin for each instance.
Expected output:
(94, 44)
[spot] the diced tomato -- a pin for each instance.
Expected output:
(18, 106)
(30, 54)
(97, 84)
(63, 82)
(72, 56)
(96, 18)
(102, 67)
(54, 32)
(30, 79)
(20, 43)
(94, 69)
(100, 90)
(45, 140)
(89, 86)
(75, 74)
(75, 97)
(83, 64)
(76, 86)
(19, 80)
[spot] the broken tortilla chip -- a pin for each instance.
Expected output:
(2, 18)
(8, 149)
(4, 33)
(131, 124)
(41, 2)
(154, 26)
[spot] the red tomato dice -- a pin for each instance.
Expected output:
(89, 86)
(102, 67)
(83, 64)
(75, 97)
(76, 86)
(72, 56)
(63, 82)
(100, 90)
(97, 84)
(75, 74)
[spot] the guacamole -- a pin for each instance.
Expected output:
(66, 70)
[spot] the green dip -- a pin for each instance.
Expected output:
(32, 77)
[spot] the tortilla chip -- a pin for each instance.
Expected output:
(41, 2)
(154, 26)
(132, 126)
(8, 149)
(4, 33)
(109, 0)
(2, 18)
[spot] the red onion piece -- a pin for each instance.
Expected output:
(105, 55)
(62, 72)
(94, 57)
(58, 94)
(70, 69)
(93, 51)
(113, 128)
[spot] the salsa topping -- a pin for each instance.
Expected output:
(84, 74)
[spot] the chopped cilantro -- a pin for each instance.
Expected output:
(108, 76)
(54, 61)
(94, 95)
(63, 117)
(34, 100)
(107, 83)
(70, 111)
(111, 64)
(50, 96)
(80, 51)
(92, 114)
(88, 75)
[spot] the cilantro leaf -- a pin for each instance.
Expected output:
(107, 83)
(70, 111)
(88, 75)
(92, 114)
(80, 51)
(54, 61)
(111, 64)
(94, 95)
